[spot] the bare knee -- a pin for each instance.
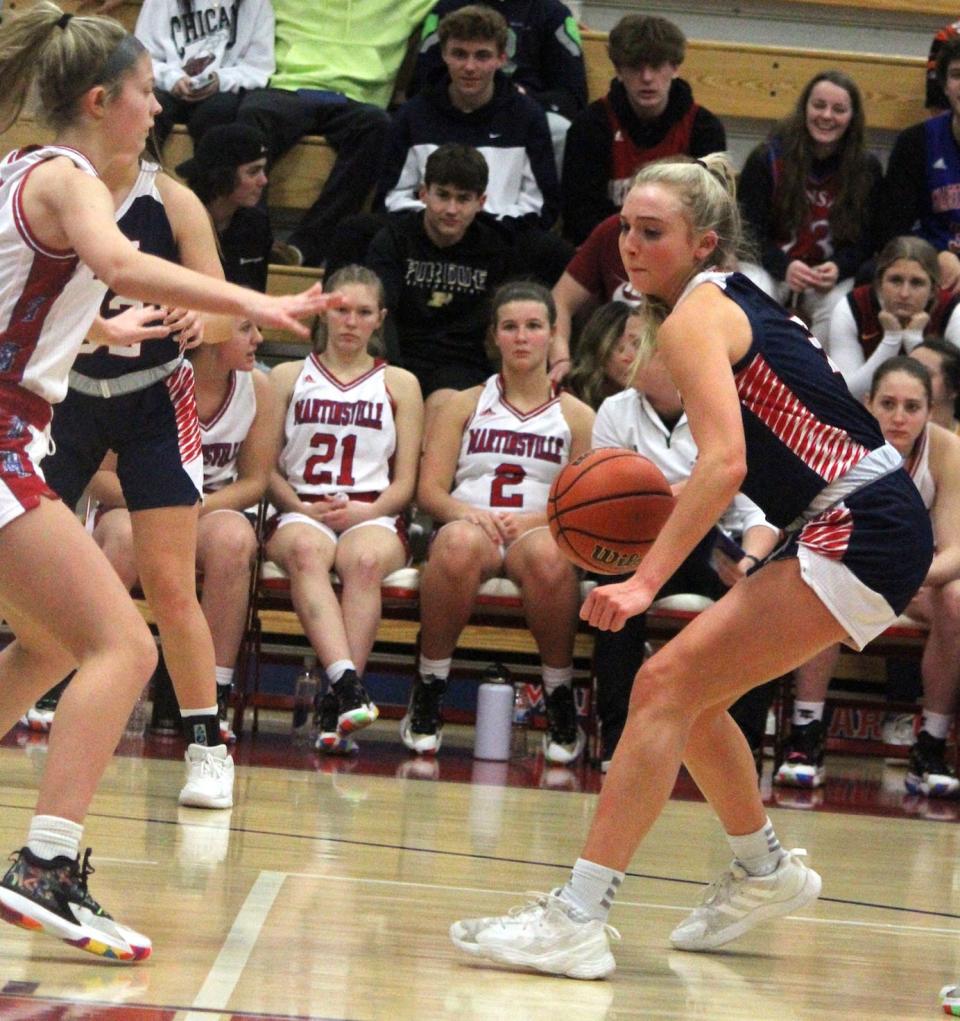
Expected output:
(232, 551)
(548, 572)
(362, 570)
(129, 649)
(459, 551)
(304, 557)
(658, 690)
(949, 600)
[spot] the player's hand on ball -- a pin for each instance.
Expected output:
(608, 607)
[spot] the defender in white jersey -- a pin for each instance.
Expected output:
(900, 397)
(345, 477)
(59, 249)
(491, 454)
(137, 401)
(239, 429)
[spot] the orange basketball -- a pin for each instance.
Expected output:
(606, 508)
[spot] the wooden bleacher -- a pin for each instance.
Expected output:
(734, 80)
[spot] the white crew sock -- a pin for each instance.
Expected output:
(757, 852)
(555, 676)
(337, 669)
(51, 836)
(590, 890)
(807, 712)
(439, 668)
(936, 724)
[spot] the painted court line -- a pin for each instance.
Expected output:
(225, 973)
(685, 908)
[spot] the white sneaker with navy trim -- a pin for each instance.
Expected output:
(737, 901)
(544, 935)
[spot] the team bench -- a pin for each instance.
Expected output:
(497, 633)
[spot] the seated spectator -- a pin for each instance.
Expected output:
(648, 417)
(900, 397)
(809, 197)
(544, 58)
(439, 265)
(334, 78)
(606, 354)
(475, 104)
(239, 432)
(892, 315)
(942, 361)
(228, 174)
(648, 113)
(490, 457)
(921, 194)
(934, 99)
(206, 55)
(594, 276)
(346, 475)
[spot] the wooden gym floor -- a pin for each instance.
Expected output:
(327, 892)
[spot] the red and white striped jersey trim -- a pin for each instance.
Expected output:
(829, 533)
(180, 387)
(825, 449)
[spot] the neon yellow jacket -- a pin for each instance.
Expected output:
(351, 46)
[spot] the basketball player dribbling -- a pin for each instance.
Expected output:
(772, 418)
(60, 249)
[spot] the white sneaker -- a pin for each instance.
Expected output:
(899, 730)
(542, 935)
(950, 999)
(39, 719)
(421, 729)
(565, 740)
(737, 901)
(559, 753)
(209, 777)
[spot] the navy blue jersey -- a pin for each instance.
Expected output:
(803, 428)
(143, 219)
(941, 224)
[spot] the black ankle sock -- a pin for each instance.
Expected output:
(202, 730)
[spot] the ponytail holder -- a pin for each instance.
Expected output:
(700, 163)
(63, 20)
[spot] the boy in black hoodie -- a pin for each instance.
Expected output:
(648, 113)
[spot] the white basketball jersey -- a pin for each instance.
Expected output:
(48, 298)
(509, 458)
(920, 472)
(224, 433)
(338, 437)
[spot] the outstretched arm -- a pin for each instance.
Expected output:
(69, 209)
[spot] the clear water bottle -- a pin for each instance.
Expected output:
(522, 711)
(305, 692)
(137, 721)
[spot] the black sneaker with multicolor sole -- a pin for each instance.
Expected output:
(355, 708)
(329, 739)
(52, 897)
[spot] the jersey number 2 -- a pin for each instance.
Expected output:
(507, 475)
(326, 443)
